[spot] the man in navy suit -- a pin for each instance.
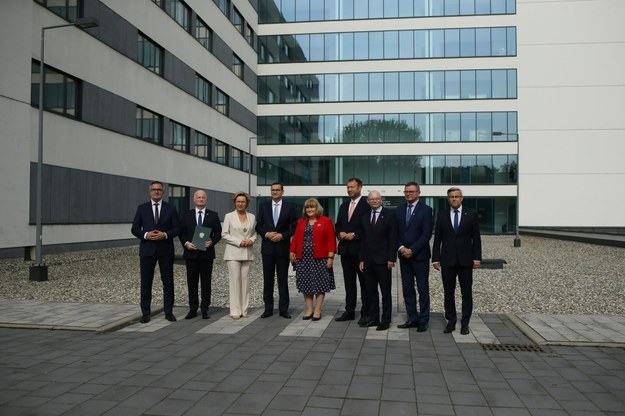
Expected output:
(156, 225)
(349, 232)
(457, 250)
(378, 252)
(415, 224)
(276, 224)
(199, 260)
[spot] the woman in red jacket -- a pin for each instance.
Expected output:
(312, 254)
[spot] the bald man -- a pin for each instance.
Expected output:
(199, 260)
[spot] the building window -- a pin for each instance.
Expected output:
(220, 154)
(249, 35)
(403, 44)
(378, 86)
(390, 169)
(180, 12)
(237, 20)
(237, 66)
(60, 91)
(149, 126)
(159, 3)
(274, 11)
(202, 89)
(203, 34)
(236, 158)
(149, 54)
(202, 145)
(178, 196)
(67, 9)
(224, 6)
(179, 137)
(222, 102)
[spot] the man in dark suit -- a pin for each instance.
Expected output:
(457, 251)
(349, 232)
(414, 221)
(199, 260)
(378, 252)
(275, 224)
(156, 225)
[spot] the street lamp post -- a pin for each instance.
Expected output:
(39, 270)
(517, 236)
(249, 168)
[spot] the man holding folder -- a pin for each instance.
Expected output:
(200, 230)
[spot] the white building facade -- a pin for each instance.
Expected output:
(498, 97)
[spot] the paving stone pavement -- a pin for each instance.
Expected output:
(112, 365)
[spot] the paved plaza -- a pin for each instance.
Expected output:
(96, 359)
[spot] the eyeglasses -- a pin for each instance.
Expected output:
(156, 190)
(410, 192)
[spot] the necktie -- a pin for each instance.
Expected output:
(373, 220)
(276, 214)
(456, 221)
(199, 218)
(352, 205)
(408, 213)
(156, 216)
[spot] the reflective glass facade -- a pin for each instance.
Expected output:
(482, 84)
(387, 128)
(390, 169)
(405, 44)
(281, 11)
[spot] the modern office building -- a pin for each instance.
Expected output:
(513, 101)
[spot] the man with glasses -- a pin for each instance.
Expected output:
(276, 224)
(414, 220)
(156, 225)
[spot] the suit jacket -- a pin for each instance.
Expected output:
(233, 232)
(144, 222)
(286, 226)
(379, 243)
(324, 240)
(351, 226)
(451, 249)
(415, 234)
(188, 222)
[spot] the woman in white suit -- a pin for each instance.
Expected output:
(239, 235)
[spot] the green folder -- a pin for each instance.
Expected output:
(201, 236)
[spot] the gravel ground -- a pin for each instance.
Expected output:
(543, 276)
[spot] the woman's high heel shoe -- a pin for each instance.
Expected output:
(307, 317)
(316, 318)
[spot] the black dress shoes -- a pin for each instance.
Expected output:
(362, 321)
(464, 329)
(450, 327)
(407, 324)
(191, 315)
(371, 323)
(422, 327)
(266, 314)
(382, 327)
(170, 317)
(285, 315)
(316, 318)
(345, 317)
(145, 319)
(205, 315)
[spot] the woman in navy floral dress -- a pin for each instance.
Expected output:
(312, 254)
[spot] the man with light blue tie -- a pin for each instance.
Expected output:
(456, 251)
(414, 219)
(276, 223)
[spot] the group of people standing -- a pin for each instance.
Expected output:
(370, 239)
